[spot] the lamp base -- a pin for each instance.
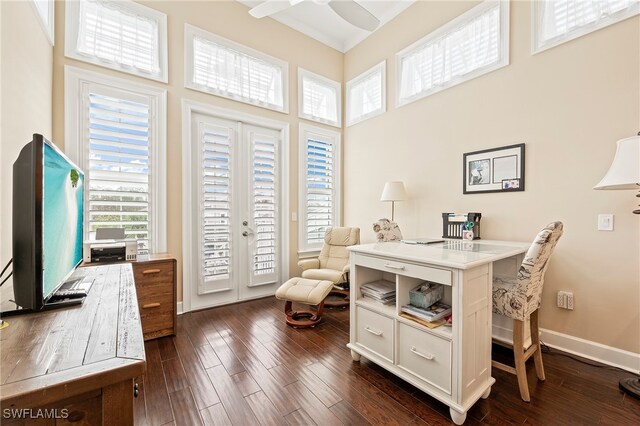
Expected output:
(631, 386)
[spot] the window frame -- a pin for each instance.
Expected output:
(380, 67)
(47, 23)
(304, 249)
(72, 24)
(331, 83)
(447, 28)
(191, 31)
(538, 46)
(75, 80)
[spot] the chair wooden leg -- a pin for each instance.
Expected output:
(535, 341)
(518, 354)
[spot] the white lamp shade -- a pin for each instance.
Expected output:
(624, 172)
(393, 191)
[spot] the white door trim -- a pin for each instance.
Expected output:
(189, 107)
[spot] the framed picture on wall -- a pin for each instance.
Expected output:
(494, 170)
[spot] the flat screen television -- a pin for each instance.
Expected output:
(48, 198)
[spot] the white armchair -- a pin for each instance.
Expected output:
(333, 262)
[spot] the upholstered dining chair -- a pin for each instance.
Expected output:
(519, 298)
(387, 230)
(333, 262)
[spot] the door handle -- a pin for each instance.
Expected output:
(245, 234)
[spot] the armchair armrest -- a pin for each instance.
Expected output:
(309, 264)
(346, 269)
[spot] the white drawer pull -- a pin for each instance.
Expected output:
(377, 333)
(390, 266)
(415, 351)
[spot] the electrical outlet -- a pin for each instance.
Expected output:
(605, 222)
(294, 217)
(570, 301)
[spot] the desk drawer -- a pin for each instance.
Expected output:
(374, 332)
(425, 355)
(428, 273)
(151, 273)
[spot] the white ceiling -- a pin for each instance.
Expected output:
(323, 24)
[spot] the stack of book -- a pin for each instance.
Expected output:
(435, 312)
(381, 291)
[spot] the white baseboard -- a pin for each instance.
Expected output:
(180, 309)
(608, 355)
(604, 354)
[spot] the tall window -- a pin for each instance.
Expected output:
(122, 35)
(558, 21)
(319, 98)
(224, 68)
(319, 185)
(366, 94)
(473, 44)
(116, 134)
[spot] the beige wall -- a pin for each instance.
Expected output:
(569, 105)
(228, 19)
(25, 98)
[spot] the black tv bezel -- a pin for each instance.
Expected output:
(34, 220)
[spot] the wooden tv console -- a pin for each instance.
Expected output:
(79, 363)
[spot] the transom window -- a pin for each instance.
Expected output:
(122, 35)
(366, 94)
(319, 98)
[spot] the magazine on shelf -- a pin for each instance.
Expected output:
(432, 313)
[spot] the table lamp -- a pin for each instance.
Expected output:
(624, 173)
(393, 191)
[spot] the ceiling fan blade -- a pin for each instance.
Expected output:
(355, 14)
(269, 7)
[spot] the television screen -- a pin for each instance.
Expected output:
(62, 206)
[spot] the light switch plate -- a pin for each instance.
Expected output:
(605, 222)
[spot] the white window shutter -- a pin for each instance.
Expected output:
(320, 187)
(264, 193)
(559, 21)
(224, 68)
(215, 192)
(473, 44)
(122, 35)
(320, 98)
(119, 165)
(366, 94)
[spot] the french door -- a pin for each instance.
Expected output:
(236, 201)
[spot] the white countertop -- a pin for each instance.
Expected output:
(460, 254)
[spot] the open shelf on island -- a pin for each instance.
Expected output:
(389, 310)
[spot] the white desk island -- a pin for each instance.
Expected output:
(450, 363)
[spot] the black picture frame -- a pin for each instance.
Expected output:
(487, 171)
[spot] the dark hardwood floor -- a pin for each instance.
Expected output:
(242, 365)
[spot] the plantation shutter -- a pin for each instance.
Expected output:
(563, 20)
(365, 95)
(231, 73)
(319, 99)
(216, 202)
(446, 59)
(320, 188)
(119, 163)
(116, 34)
(263, 205)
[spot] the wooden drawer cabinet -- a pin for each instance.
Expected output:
(156, 289)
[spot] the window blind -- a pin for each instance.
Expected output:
(216, 202)
(320, 173)
(119, 165)
(121, 35)
(558, 21)
(225, 70)
(264, 182)
(365, 94)
(320, 98)
(465, 48)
